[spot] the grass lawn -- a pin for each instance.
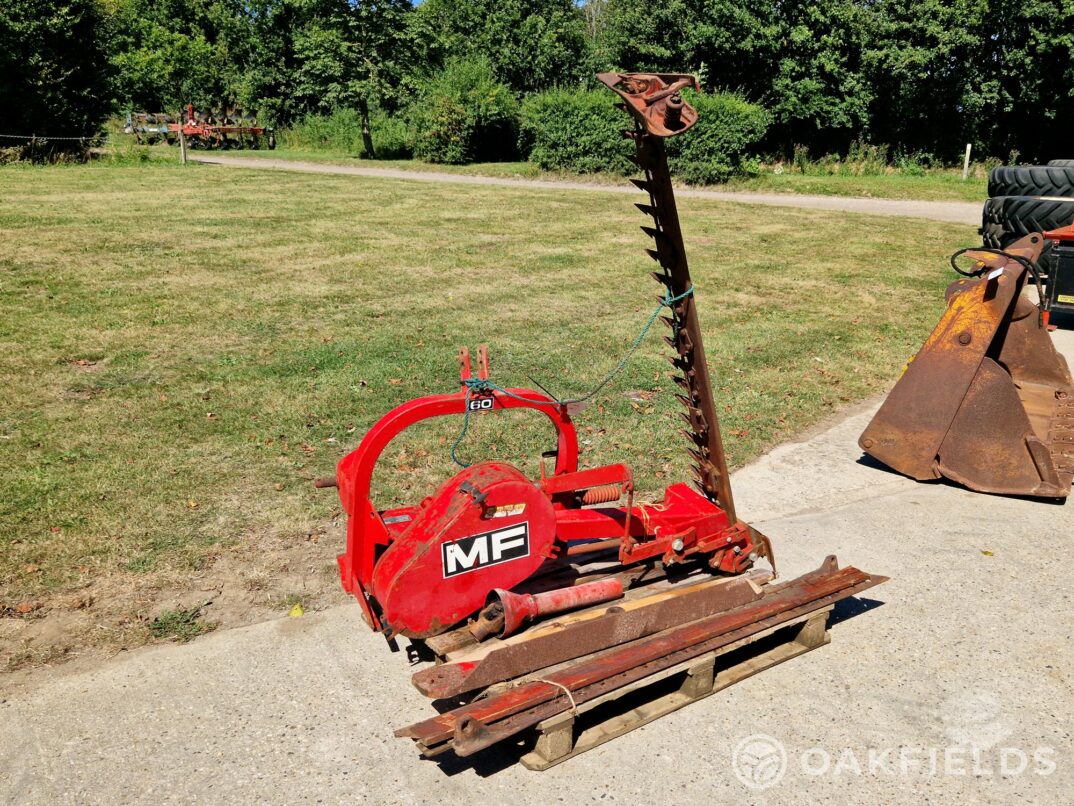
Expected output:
(186, 348)
(934, 185)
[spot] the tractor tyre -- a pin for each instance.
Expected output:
(1007, 218)
(1061, 163)
(1031, 180)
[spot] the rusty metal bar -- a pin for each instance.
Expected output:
(659, 111)
(714, 480)
(593, 546)
(636, 619)
(485, 722)
(472, 737)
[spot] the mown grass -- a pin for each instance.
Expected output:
(933, 185)
(184, 349)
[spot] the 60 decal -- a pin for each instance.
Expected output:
(482, 403)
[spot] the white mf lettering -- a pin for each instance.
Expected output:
(485, 549)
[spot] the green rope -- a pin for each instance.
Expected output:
(484, 385)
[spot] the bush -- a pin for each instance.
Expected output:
(463, 114)
(913, 164)
(342, 131)
(719, 145)
(578, 130)
(575, 130)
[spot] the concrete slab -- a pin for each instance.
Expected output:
(953, 685)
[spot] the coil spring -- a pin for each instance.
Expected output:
(604, 494)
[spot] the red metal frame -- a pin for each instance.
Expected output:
(366, 527)
(192, 127)
(1061, 235)
(684, 524)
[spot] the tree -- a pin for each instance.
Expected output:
(266, 81)
(351, 53)
(1025, 85)
(635, 35)
(464, 114)
(820, 95)
(530, 44)
(168, 53)
(800, 58)
(54, 77)
(923, 61)
(737, 44)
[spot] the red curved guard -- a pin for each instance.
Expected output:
(354, 473)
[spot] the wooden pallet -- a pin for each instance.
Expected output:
(618, 712)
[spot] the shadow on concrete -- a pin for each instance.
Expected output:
(489, 761)
(850, 608)
(865, 460)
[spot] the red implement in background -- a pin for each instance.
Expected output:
(223, 129)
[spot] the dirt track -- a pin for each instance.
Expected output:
(952, 212)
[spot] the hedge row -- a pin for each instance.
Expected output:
(575, 130)
(579, 131)
(464, 115)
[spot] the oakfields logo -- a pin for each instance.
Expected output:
(760, 761)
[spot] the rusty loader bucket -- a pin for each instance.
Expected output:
(987, 402)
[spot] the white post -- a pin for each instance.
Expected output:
(182, 145)
(966, 163)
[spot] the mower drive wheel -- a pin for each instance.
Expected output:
(1007, 218)
(1031, 180)
(1061, 163)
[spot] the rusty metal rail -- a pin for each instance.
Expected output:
(659, 111)
(559, 643)
(480, 724)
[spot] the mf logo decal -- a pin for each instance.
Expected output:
(485, 549)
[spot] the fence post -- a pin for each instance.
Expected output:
(966, 163)
(182, 145)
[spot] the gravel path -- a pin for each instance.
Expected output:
(950, 212)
